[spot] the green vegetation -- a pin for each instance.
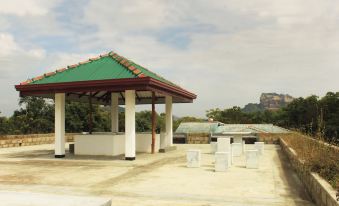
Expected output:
(311, 115)
(36, 115)
(318, 156)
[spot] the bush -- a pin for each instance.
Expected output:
(317, 155)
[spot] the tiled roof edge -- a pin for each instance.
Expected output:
(73, 66)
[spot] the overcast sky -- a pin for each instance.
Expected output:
(227, 52)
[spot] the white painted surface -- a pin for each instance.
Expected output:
(163, 143)
(243, 146)
(252, 159)
(130, 123)
(222, 161)
(114, 112)
(236, 149)
(260, 147)
(15, 198)
(223, 144)
(144, 142)
(213, 147)
(112, 144)
(169, 121)
(193, 158)
(96, 144)
(59, 124)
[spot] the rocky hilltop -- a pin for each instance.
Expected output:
(273, 101)
(269, 101)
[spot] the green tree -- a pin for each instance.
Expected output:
(329, 105)
(35, 116)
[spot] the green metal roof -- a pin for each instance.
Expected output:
(104, 67)
(198, 127)
(219, 128)
(255, 128)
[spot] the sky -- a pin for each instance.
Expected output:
(227, 52)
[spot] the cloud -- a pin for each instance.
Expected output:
(227, 52)
(26, 8)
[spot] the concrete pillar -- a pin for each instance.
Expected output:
(169, 121)
(114, 112)
(130, 125)
(59, 125)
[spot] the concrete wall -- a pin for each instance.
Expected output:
(112, 144)
(320, 190)
(144, 141)
(30, 139)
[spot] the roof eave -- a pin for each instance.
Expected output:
(113, 85)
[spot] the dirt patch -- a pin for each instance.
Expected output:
(135, 171)
(18, 179)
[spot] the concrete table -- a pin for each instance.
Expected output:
(237, 136)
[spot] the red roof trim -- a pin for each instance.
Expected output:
(145, 83)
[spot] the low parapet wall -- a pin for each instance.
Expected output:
(30, 139)
(320, 190)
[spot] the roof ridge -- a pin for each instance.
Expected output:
(72, 66)
(126, 64)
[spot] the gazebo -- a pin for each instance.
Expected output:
(109, 79)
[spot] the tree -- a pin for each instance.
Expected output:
(329, 105)
(77, 117)
(4, 129)
(35, 116)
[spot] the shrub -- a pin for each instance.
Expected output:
(318, 156)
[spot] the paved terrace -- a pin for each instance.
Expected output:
(160, 179)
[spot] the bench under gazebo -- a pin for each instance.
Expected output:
(109, 79)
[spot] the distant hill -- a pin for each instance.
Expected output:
(269, 101)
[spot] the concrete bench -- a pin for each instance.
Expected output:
(222, 161)
(193, 158)
(252, 159)
(260, 147)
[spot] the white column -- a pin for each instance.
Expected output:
(130, 125)
(115, 112)
(169, 121)
(59, 125)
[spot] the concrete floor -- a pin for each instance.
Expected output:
(160, 179)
